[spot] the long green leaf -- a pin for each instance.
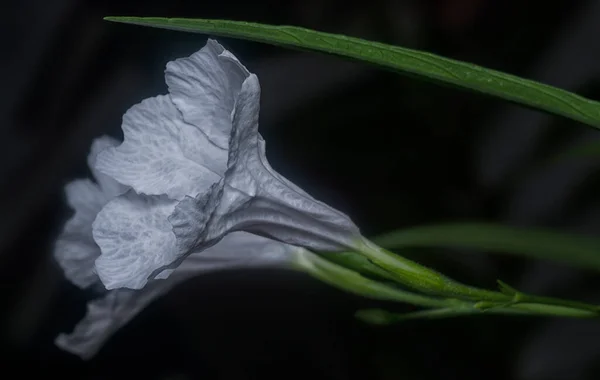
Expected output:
(537, 243)
(461, 74)
(590, 150)
(384, 317)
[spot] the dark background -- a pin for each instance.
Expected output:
(389, 150)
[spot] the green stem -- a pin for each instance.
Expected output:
(424, 279)
(383, 317)
(353, 282)
(556, 302)
(428, 281)
(513, 303)
(541, 309)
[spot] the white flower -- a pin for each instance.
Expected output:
(76, 251)
(197, 155)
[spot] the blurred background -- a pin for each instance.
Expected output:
(388, 150)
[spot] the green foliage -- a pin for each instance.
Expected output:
(570, 249)
(421, 64)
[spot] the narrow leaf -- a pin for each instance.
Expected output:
(589, 149)
(536, 243)
(421, 64)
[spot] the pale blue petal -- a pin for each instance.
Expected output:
(75, 250)
(95, 328)
(204, 87)
(110, 188)
(106, 315)
(135, 238)
(155, 157)
(86, 199)
(238, 250)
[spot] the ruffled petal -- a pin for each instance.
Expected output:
(75, 250)
(161, 153)
(76, 258)
(204, 87)
(253, 197)
(110, 188)
(86, 199)
(96, 327)
(135, 238)
(108, 314)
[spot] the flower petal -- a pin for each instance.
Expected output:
(204, 86)
(76, 258)
(108, 185)
(75, 250)
(96, 327)
(105, 316)
(135, 238)
(86, 199)
(162, 154)
(236, 250)
(253, 197)
(108, 314)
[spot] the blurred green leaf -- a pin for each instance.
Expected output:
(384, 317)
(577, 250)
(589, 149)
(426, 65)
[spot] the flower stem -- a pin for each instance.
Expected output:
(383, 317)
(512, 302)
(353, 282)
(426, 280)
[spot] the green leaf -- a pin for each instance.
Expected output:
(384, 317)
(589, 149)
(418, 63)
(537, 243)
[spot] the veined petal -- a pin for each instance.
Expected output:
(175, 146)
(108, 314)
(253, 197)
(204, 86)
(135, 238)
(161, 153)
(110, 188)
